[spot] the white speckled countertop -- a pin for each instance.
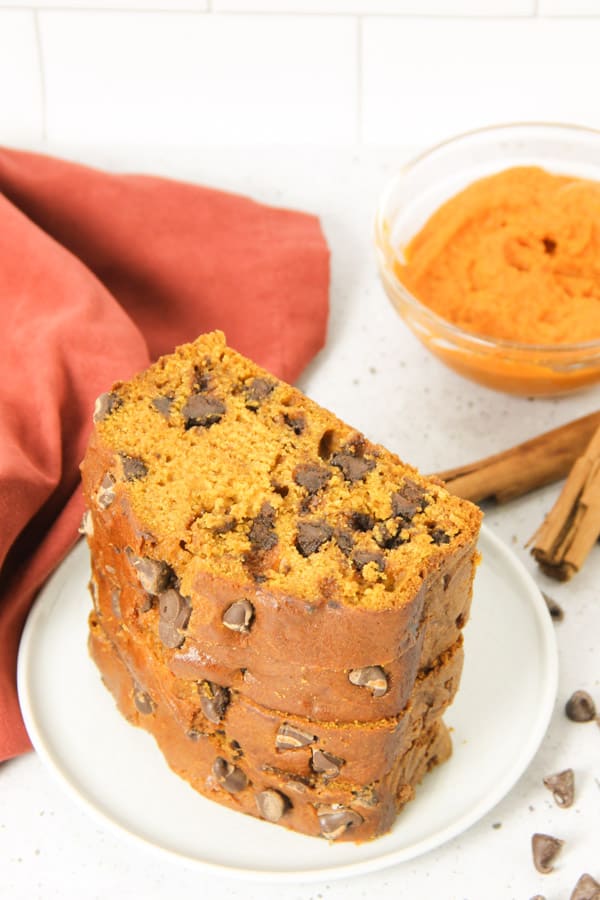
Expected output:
(374, 374)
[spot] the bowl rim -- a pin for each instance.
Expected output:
(483, 341)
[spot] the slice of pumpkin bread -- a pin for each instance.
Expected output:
(253, 542)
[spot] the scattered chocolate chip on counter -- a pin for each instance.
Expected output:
(556, 611)
(562, 785)
(580, 707)
(587, 888)
(545, 849)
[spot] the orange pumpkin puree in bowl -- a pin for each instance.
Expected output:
(514, 256)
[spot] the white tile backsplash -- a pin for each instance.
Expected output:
(200, 79)
(569, 7)
(400, 7)
(21, 101)
(427, 80)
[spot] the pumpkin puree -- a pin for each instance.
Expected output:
(514, 256)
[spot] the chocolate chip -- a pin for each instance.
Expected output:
(556, 611)
(163, 405)
(238, 616)
(409, 499)
(361, 521)
(366, 797)
(200, 410)
(228, 524)
(344, 540)
(106, 492)
(272, 805)
(562, 786)
(105, 405)
(154, 575)
(257, 391)
(311, 535)
(115, 601)
(311, 477)
(335, 820)
(194, 735)
(296, 423)
(371, 677)
(262, 534)
(143, 702)
(214, 700)
(545, 849)
(326, 763)
(438, 536)
(388, 535)
(354, 468)
(133, 467)
(87, 524)
(174, 608)
(362, 558)
(580, 707)
(229, 776)
(587, 888)
(291, 738)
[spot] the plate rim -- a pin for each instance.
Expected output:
(544, 710)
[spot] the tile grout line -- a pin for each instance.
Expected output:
(359, 78)
(42, 69)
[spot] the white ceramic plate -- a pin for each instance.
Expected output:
(116, 771)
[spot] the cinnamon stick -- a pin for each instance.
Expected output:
(513, 472)
(572, 527)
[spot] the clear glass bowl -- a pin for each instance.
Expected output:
(420, 187)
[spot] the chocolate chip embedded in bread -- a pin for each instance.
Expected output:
(163, 405)
(439, 536)
(87, 524)
(312, 477)
(272, 805)
(371, 677)
(238, 616)
(143, 701)
(545, 849)
(362, 558)
(105, 494)
(262, 533)
(562, 785)
(587, 888)
(361, 521)
(133, 467)
(366, 797)
(203, 411)
(311, 535)
(296, 423)
(214, 700)
(344, 540)
(354, 468)
(389, 535)
(230, 777)
(324, 763)
(174, 608)
(335, 820)
(154, 575)
(291, 738)
(409, 499)
(105, 405)
(580, 707)
(257, 391)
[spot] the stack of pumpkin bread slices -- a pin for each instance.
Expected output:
(278, 601)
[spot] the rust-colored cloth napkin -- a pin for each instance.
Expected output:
(99, 274)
